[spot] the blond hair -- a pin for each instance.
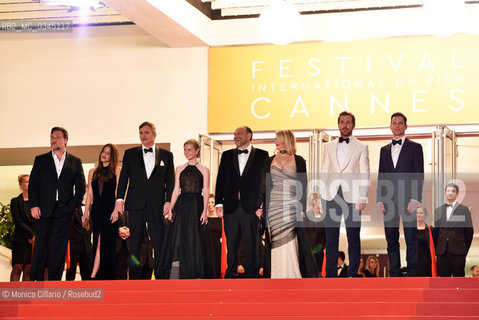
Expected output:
(286, 137)
(376, 271)
(195, 145)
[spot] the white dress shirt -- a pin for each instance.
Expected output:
(449, 210)
(149, 159)
(342, 153)
(396, 150)
(59, 165)
(243, 159)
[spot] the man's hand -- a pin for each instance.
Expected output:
(120, 206)
(219, 212)
(381, 208)
(84, 218)
(124, 233)
(166, 208)
(36, 213)
(360, 205)
(412, 206)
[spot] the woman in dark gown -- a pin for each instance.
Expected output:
(23, 235)
(184, 254)
(214, 230)
(103, 180)
(425, 246)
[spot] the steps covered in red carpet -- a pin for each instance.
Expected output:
(302, 299)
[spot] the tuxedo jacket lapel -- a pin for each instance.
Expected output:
(334, 154)
(235, 162)
(157, 161)
(352, 149)
(250, 160)
(389, 158)
(403, 153)
(142, 162)
(53, 168)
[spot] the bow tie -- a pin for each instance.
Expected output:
(448, 204)
(340, 267)
(148, 150)
(245, 151)
(341, 139)
(395, 142)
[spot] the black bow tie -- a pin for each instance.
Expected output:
(395, 142)
(245, 151)
(448, 204)
(341, 140)
(340, 267)
(148, 150)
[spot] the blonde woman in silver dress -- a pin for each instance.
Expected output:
(284, 206)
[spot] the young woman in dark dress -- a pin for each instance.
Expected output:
(23, 236)
(100, 208)
(425, 246)
(184, 255)
(214, 231)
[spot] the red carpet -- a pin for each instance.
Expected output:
(302, 299)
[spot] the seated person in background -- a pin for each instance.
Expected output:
(475, 271)
(372, 267)
(360, 269)
(81, 249)
(123, 251)
(426, 253)
(342, 267)
(453, 225)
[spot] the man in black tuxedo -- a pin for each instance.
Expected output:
(400, 182)
(56, 188)
(454, 231)
(237, 190)
(149, 174)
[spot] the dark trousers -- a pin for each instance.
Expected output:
(82, 255)
(392, 216)
(241, 224)
(58, 225)
(334, 210)
(138, 222)
(451, 265)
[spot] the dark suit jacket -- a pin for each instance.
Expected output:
(44, 184)
(22, 219)
(229, 182)
(456, 234)
(145, 192)
(344, 272)
(409, 169)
